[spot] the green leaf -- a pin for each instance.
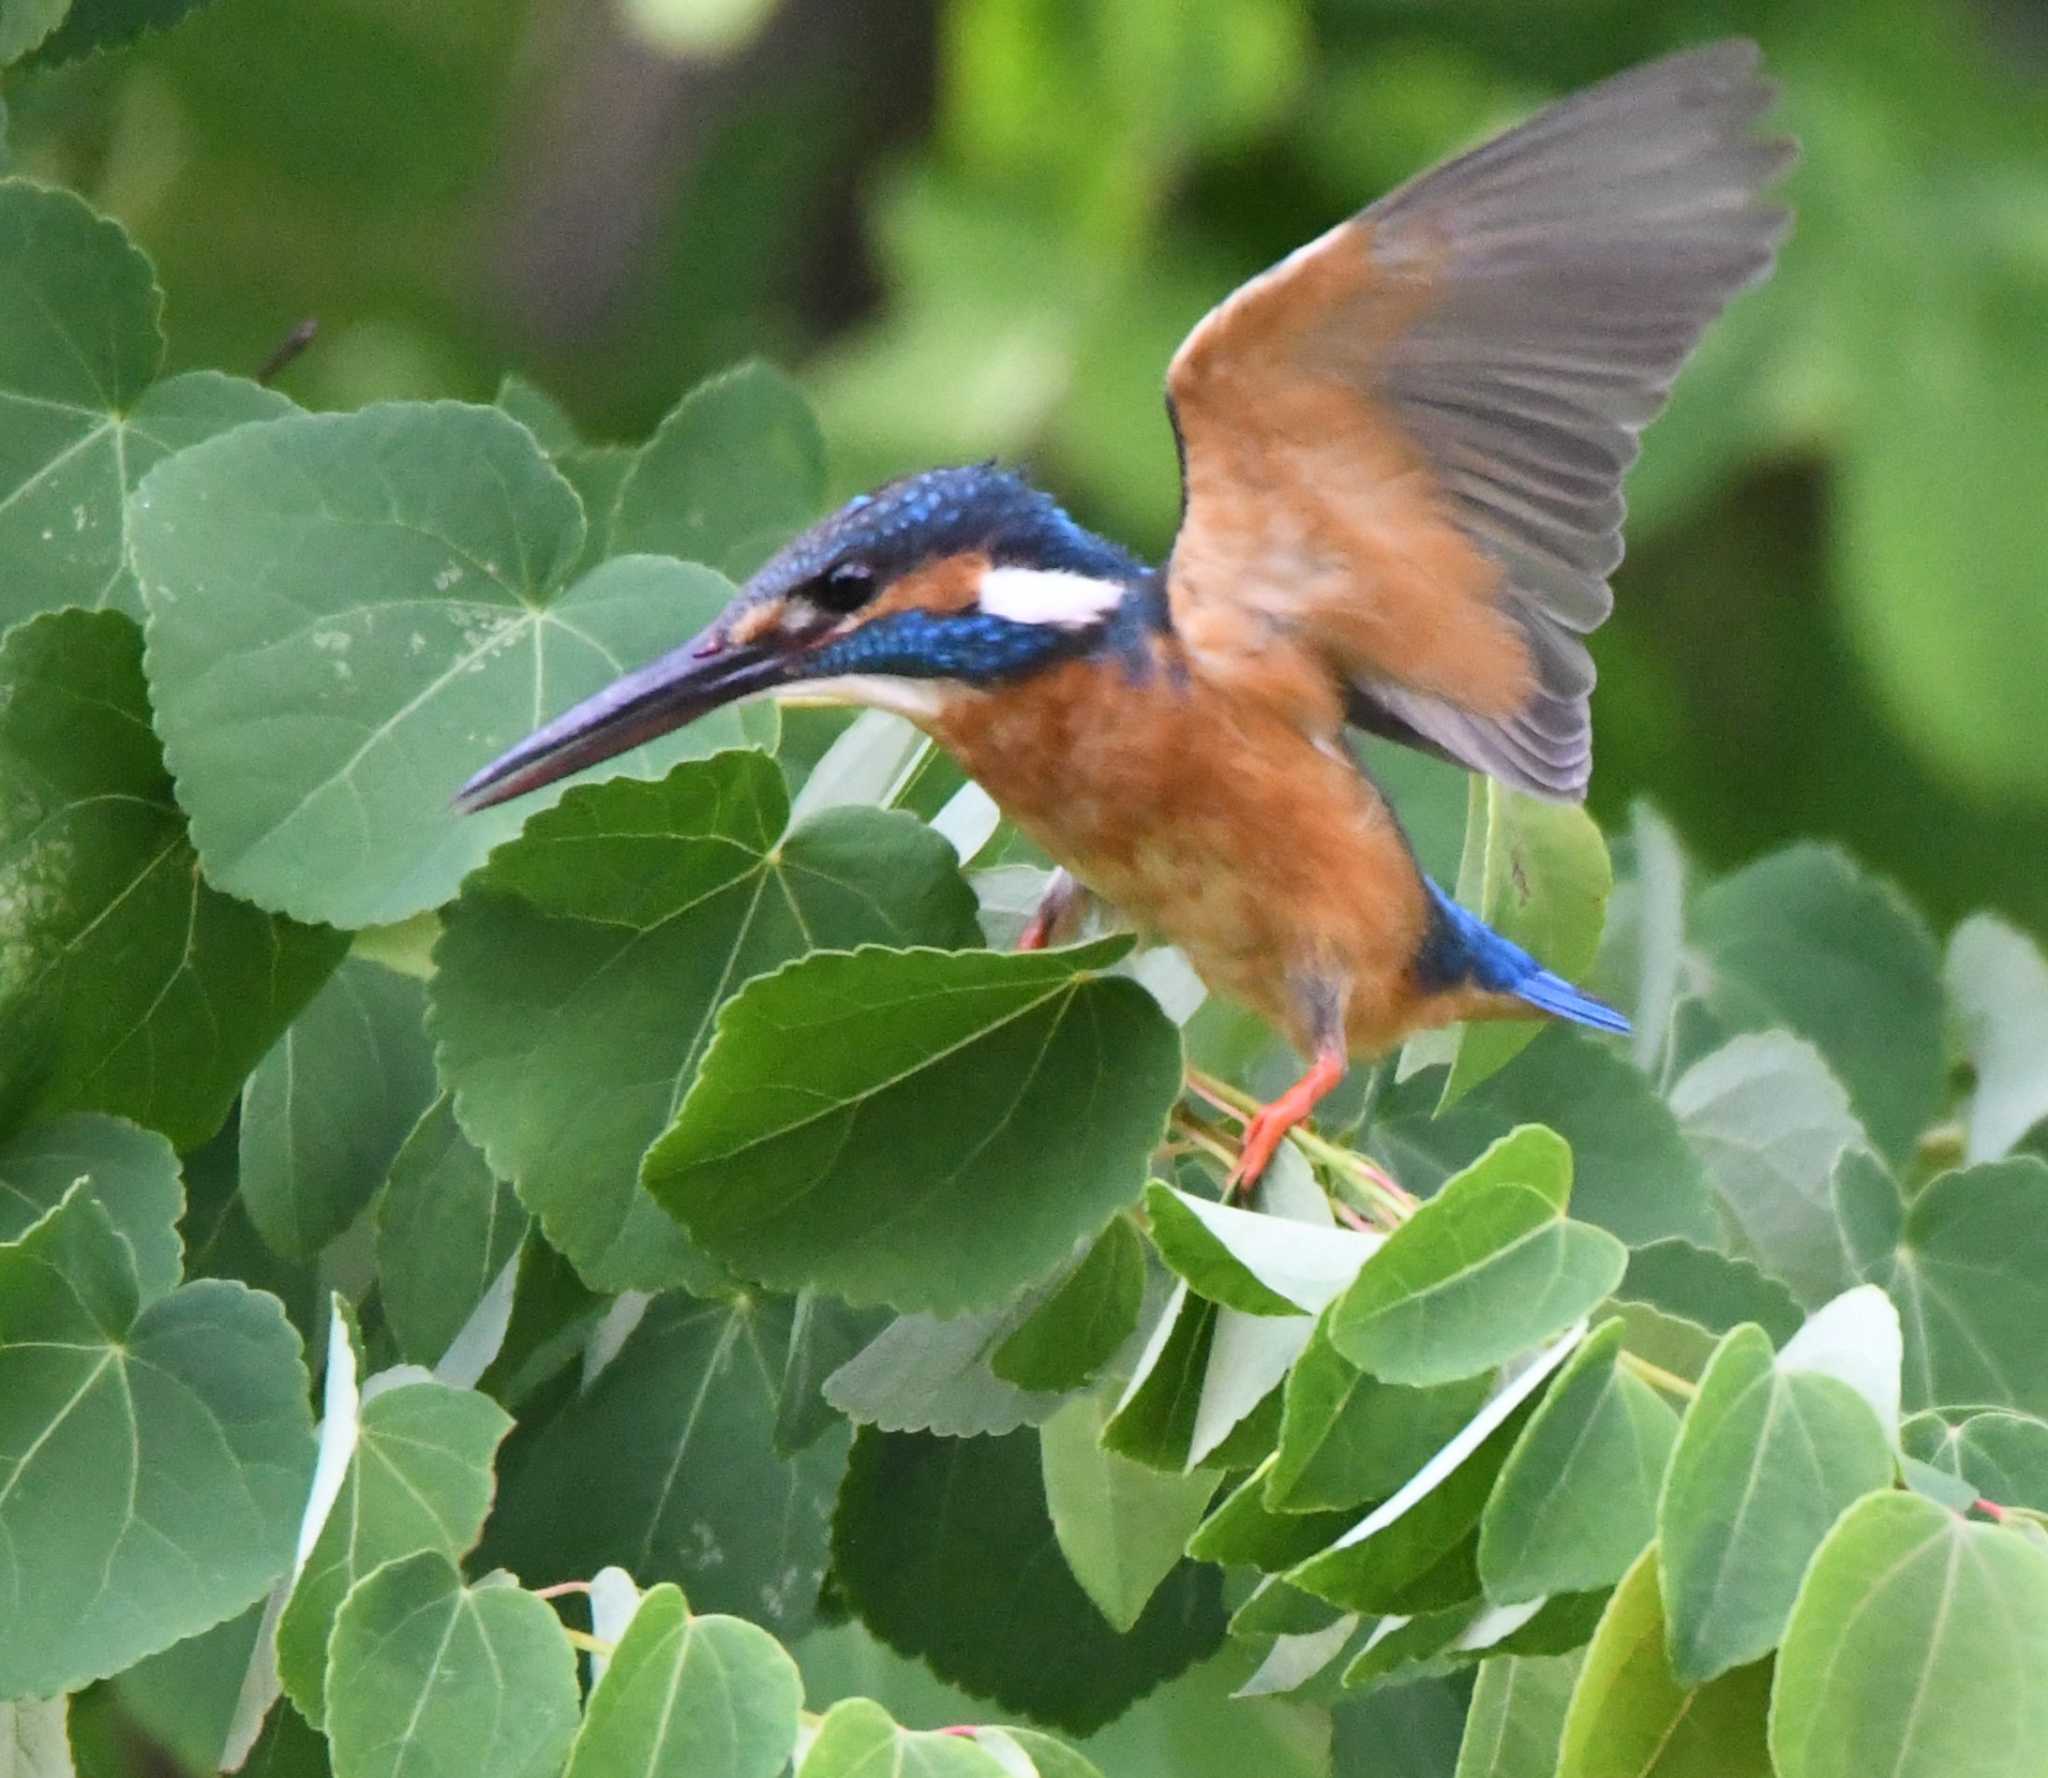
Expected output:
(1870, 1210)
(706, 1697)
(1642, 945)
(80, 420)
(1958, 384)
(1915, 1650)
(669, 1460)
(1970, 1276)
(936, 1539)
(446, 1227)
(1487, 1268)
(555, 1321)
(824, 1333)
(1417, 1549)
(1770, 1122)
(162, 1450)
(596, 472)
(132, 1172)
(541, 414)
(1256, 1264)
(1537, 873)
(1121, 1525)
(1237, 1414)
(1577, 1498)
(1631, 1713)
(1632, 1172)
(185, 1698)
(118, 954)
(1804, 940)
(420, 1479)
(1191, 1727)
(1238, 1406)
(1766, 1459)
(289, 1747)
(1708, 1288)
(1677, 1300)
(220, 1241)
(349, 614)
(1049, 1758)
(1154, 1419)
(921, 1374)
(1857, 1340)
(727, 476)
(426, 1674)
(859, 1739)
(580, 970)
(2003, 1457)
(326, 1112)
(93, 26)
(1243, 1529)
(1997, 980)
(810, 1150)
(1406, 1648)
(27, 23)
(1517, 1716)
(34, 1741)
(1346, 1437)
(1079, 1327)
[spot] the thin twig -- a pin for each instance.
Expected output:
(288, 349)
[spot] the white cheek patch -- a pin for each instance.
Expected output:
(919, 700)
(1049, 596)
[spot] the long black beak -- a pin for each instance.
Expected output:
(703, 675)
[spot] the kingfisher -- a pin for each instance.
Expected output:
(1401, 451)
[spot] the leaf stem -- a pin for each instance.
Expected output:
(1220, 1093)
(1658, 1377)
(1204, 1136)
(561, 1588)
(1372, 1191)
(595, 1645)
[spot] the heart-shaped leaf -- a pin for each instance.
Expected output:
(1485, 1269)
(350, 614)
(427, 1674)
(119, 953)
(80, 419)
(927, 1129)
(163, 1449)
(579, 972)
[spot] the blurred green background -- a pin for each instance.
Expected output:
(979, 227)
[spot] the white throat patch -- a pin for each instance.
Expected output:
(1049, 596)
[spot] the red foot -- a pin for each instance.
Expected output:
(1269, 1127)
(1037, 934)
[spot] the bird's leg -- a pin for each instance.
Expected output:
(1268, 1126)
(1060, 911)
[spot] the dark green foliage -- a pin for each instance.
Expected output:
(1697, 1404)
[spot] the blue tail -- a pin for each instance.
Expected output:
(1462, 948)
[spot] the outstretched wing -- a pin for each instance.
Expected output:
(1403, 446)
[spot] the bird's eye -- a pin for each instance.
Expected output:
(845, 588)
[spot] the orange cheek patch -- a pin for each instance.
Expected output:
(757, 621)
(952, 583)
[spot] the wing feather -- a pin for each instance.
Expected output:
(1405, 445)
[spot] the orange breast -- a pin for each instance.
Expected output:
(1213, 823)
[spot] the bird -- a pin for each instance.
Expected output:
(1402, 451)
